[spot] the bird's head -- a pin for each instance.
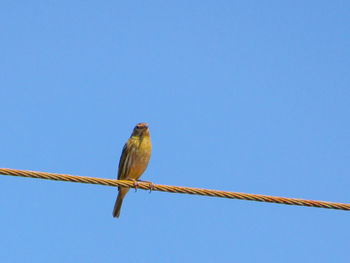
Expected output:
(141, 129)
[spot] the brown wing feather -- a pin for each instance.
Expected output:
(126, 161)
(122, 168)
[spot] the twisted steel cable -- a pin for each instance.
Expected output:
(175, 189)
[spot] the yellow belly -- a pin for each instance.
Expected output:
(141, 156)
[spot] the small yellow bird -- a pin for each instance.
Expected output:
(133, 161)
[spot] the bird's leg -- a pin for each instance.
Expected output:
(136, 184)
(151, 185)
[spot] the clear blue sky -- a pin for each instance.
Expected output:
(247, 96)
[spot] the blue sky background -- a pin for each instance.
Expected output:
(247, 96)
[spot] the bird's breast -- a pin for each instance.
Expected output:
(141, 157)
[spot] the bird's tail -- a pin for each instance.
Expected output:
(118, 203)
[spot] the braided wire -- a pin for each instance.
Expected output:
(175, 189)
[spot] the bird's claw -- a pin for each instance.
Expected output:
(136, 184)
(151, 187)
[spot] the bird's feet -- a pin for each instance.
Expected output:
(136, 184)
(151, 187)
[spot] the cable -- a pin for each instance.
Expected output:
(175, 189)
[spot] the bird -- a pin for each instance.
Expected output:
(133, 161)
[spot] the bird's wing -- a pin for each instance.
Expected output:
(124, 162)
